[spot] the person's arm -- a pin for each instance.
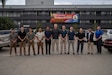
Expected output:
(43, 36)
(10, 38)
(37, 36)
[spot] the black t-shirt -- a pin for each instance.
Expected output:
(55, 33)
(80, 35)
(22, 34)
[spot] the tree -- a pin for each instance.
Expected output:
(3, 3)
(39, 25)
(94, 26)
(6, 23)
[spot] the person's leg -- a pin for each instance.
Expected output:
(69, 41)
(29, 44)
(15, 48)
(53, 44)
(78, 45)
(65, 46)
(61, 44)
(21, 43)
(73, 46)
(46, 43)
(24, 44)
(57, 45)
(32, 44)
(100, 46)
(82, 45)
(11, 45)
(49, 46)
(91, 47)
(38, 48)
(89, 44)
(41, 45)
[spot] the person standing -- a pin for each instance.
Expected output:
(22, 40)
(13, 41)
(30, 38)
(55, 36)
(48, 35)
(98, 36)
(80, 40)
(71, 40)
(40, 40)
(90, 36)
(63, 39)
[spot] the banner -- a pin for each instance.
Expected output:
(64, 18)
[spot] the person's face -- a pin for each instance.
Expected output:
(12, 31)
(47, 28)
(63, 27)
(22, 28)
(81, 30)
(98, 28)
(55, 26)
(89, 29)
(30, 29)
(71, 28)
(40, 29)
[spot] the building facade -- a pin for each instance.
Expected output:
(32, 14)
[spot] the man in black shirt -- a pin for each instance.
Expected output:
(48, 35)
(22, 38)
(55, 36)
(80, 36)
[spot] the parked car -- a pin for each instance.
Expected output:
(107, 39)
(4, 38)
(107, 34)
(108, 44)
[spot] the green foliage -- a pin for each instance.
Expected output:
(75, 26)
(6, 23)
(94, 26)
(39, 25)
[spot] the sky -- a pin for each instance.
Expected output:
(64, 2)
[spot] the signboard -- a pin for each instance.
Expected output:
(64, 18)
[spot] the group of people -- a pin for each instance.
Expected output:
(52, 37)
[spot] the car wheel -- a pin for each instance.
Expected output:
(110, 50)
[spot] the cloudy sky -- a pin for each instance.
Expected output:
(63, 2)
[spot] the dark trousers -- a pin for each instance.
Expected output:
(80, 43)
(99, 46)
(48, 45)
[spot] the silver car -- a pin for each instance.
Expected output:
(107, 34)
(4, 38)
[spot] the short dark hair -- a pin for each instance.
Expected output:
(12, 28)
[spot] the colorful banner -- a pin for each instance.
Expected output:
(64, 18)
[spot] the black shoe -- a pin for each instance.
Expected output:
(73, 53)
(34, 54)
(68, 53)
(64, 52)
(61, 53)
(88, 53)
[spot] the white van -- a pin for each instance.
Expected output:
(4, 38)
